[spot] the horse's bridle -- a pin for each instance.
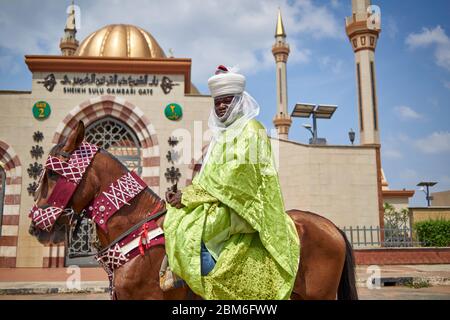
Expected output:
(135, 241)
(70, 175)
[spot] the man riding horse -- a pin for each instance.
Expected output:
(227, 234)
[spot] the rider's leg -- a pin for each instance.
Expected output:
(207, 261)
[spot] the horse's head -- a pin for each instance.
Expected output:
(62, 195)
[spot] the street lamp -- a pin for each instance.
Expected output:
(309, 128)
(425, 187)
(305, 110)
(351, 135)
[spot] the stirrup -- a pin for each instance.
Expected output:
(167, 279)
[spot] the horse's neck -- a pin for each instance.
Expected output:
(129, 215)
(108, 170)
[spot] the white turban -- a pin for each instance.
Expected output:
(226, 82)
(243, 107)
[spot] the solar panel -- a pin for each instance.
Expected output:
(303, 110)
(424, 184)
(325, 111)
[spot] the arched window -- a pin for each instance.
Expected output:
(2, 194)
(119, 139)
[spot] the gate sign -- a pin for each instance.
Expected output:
(173, 112)
(41, 110)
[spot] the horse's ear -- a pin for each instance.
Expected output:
(75, 138)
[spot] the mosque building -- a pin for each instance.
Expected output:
(140, 105)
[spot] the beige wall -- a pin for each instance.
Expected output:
(431, 213)
(441, 198)
(339, 183)
(17, 126)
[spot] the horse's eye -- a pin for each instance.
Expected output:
(52, 175)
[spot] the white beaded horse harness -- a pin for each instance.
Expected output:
(127, 246)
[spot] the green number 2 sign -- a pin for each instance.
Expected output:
(41, 110)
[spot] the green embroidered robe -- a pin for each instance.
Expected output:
(236, 208)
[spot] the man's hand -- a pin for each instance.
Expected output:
(174, 199)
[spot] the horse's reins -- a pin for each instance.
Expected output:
(132, 229)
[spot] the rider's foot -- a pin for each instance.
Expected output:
(167, 279)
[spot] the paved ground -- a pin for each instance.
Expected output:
(385, 293)
(405, 293)
(62, 296)
(50, 274)
(434, 274)
(51, 283)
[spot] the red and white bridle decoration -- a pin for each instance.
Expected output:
(70, 175)
(119, 193)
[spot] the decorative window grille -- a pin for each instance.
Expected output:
(120, 140)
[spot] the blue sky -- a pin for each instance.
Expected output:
(412, 63)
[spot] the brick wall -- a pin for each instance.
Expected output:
(402, 256)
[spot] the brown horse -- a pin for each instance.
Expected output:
(326, 269)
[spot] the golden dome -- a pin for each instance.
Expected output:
(120, 40)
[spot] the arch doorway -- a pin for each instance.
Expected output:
(120, 140)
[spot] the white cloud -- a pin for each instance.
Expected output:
(210, 32)
(392, 154)
(392, 146)
(403, 138)
(22, 32)
(391, 27)
(406, 113)
(331, 63)
(8, 65)
(427, 37)
(444, 180)
(433, 101)
(447, 84)
(335, 3)
(409, 174)
(436, 143)
(318, 21)
(436, 37)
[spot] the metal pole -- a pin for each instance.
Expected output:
(428, 195)
(314, 127)
(371, 236)
(365, 238)
(357, 233)
(351, 235)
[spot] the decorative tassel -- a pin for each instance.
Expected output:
(143, 244)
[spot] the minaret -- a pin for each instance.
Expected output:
(280, 50)
(363, 30)
(69, 43)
